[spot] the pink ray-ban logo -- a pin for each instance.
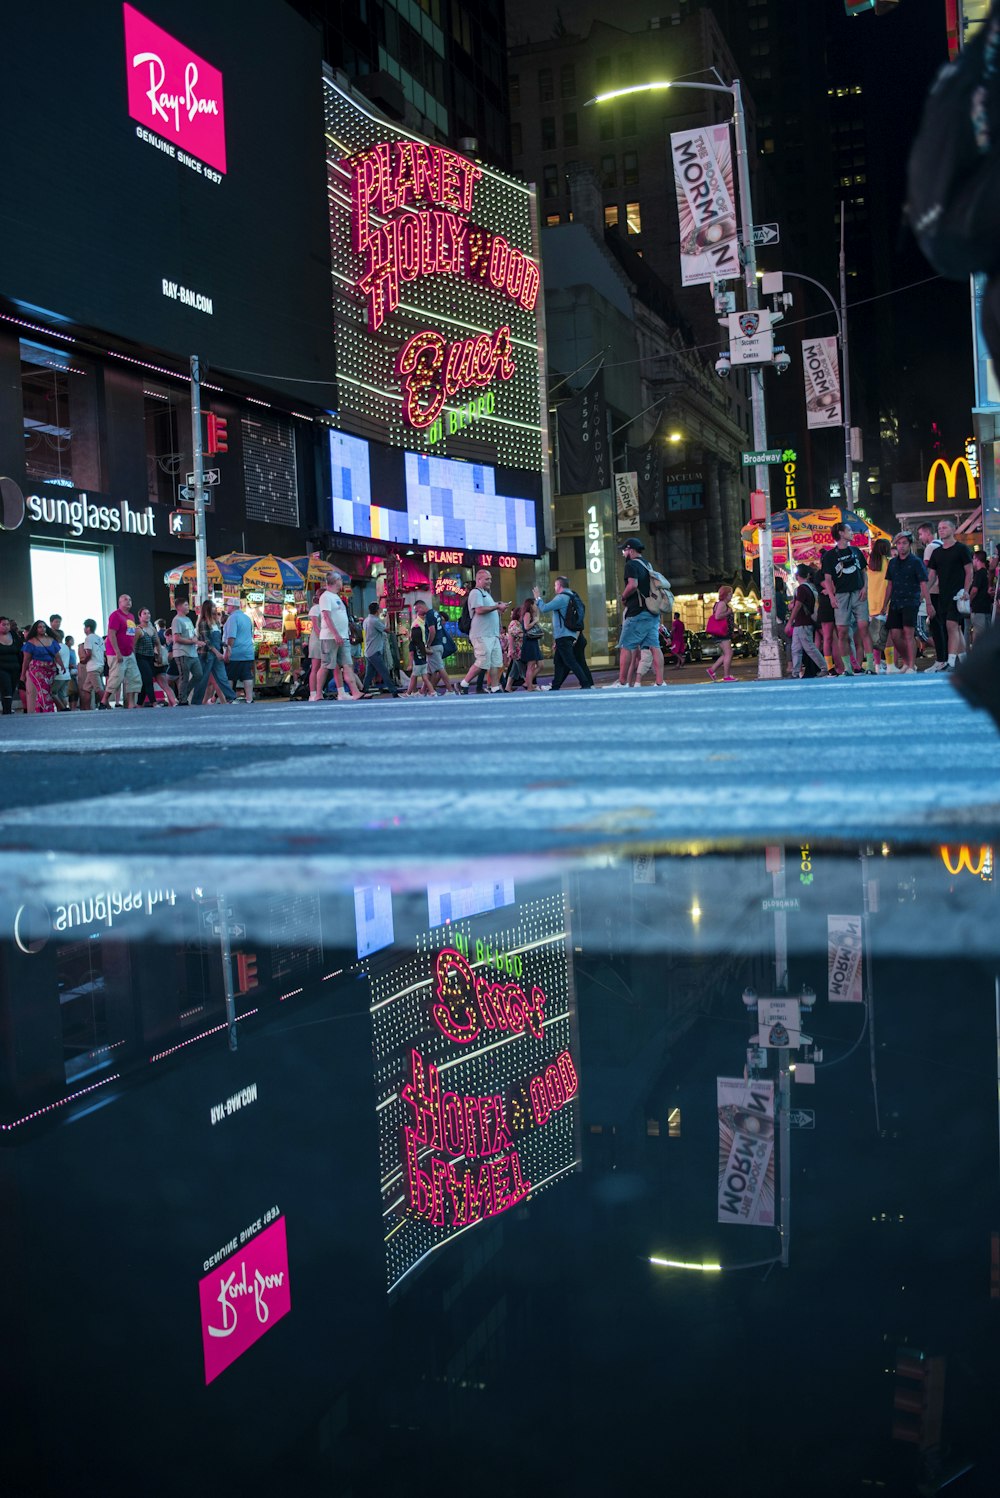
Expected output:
(173, 91)
(243, 1297)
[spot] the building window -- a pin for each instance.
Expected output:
(166, 413)
(550, 181)
(633, 218)
(611, 216)
(567, 81)
(608, 176)
(269, 472)
(570, 135)
(603, 71)
(546, 88)
(548, 132)
(551, 219)
(630, 168)
(626, 68)
(514, 90)
(516, 144)
(606, 122)
(629, 119)
(59, 418)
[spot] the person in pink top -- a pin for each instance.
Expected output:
(120, 646)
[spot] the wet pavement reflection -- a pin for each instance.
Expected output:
(672, 1171)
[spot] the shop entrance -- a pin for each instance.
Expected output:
(74, 581)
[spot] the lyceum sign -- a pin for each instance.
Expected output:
(174, 92)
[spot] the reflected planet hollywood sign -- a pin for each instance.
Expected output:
(411, 217)
(460, 1153)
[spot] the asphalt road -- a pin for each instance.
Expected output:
(393, 783)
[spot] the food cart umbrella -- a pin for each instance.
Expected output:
(316, 571)
(262, 571)
(187, 572)
(811, 534)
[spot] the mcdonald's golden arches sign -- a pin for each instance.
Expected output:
(950, 471)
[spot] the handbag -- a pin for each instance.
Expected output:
(718, 627)
(878, 631)
(533, 632)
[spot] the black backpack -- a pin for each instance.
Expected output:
(575, 612)
(464, 618)
(953, 176)
(442, 639)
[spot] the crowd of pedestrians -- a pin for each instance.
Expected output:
(849, 616)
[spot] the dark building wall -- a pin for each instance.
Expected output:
(438, 64)
(122, 462)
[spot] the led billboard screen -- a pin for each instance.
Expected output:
(433, 501)
(437, 286)
(164, 181)
(475, 1074)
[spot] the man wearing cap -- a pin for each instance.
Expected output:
(640, 629)
(237, 639)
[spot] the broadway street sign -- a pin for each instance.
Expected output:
(769, 455)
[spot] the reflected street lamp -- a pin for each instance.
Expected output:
(768, 660)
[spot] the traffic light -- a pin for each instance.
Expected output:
(182, 523)
(918, 1398)
(218, 440)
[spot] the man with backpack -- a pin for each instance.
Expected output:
(440, 646)
(802, 623)
(640, 625)
(567, 612)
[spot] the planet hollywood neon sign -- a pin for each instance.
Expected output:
(410, 217)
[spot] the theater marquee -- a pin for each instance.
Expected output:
(436, 291)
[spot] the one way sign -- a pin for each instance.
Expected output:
(766, 234)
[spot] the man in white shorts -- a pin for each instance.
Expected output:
(484, 634)
(335, 645)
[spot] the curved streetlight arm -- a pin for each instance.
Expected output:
(797, 275)
(840, 313)
(658, 87)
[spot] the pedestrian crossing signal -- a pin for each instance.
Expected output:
(218, 436)
(182, 523)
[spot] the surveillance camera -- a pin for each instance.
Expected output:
(750, 998)
(782, 361)
(723, 365)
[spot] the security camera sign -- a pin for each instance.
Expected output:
(778, 1024)
(751, 340)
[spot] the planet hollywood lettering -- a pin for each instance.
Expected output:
(460, 1157)
(410, 208)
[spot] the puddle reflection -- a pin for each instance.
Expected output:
(525, 1174)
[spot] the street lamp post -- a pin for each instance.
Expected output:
(840, 313)
(769, 659)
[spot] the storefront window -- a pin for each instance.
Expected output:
(164, 413)
(60, 417)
